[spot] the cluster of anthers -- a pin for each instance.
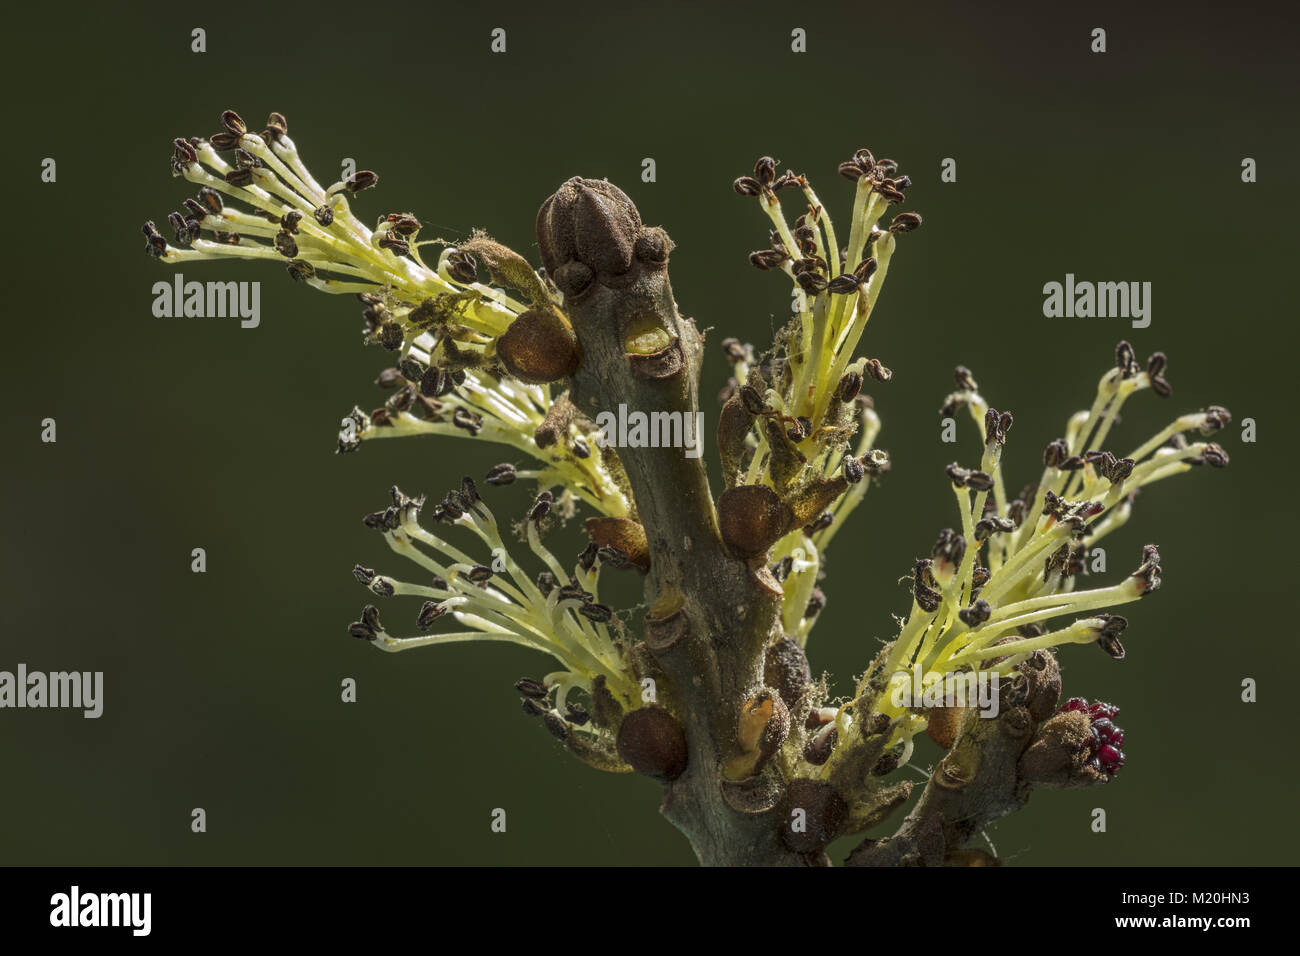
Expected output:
(796, 432)
(984, 599)
(469, 358)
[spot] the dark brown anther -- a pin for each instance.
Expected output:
(183, 156)
(735, 351)
(276, 127)
(1148, 572)
(1216, 417)
(411, 369)
(845, 283)
(541, 507)
(155, 244)
(599, 613)
(949, 548)
(435, 382)
(866, 269)
(766, 259)
(798, 429)
(430, 612)
(820, 745)
(186, 230)
(924, 587)
(462, 267)
(360, 180)
(965, 380)
(390, 334)
(1156, 374)
(653, 742)
(849, 387)
(502, 474)
(976, 614)
(469, 421)
(211, 200)
(904, 221)
(546, 583)
(765, 170)
(852, 469)
(816, 603)
(246, 160)
(1213, 455)
(1126, 360)
(395, 244)
(996, 426)
(300, 271)
(404, 224)
(401, 401)
(1056, 453)
(811, 282)
(555, 725)
(285, 245)
(234, 122)
(324, 215)
(240, 177)
(851, 170)
(224, 141)
(877, 371)
(988, 526)
(747, 186)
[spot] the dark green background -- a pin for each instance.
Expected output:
(222, 689)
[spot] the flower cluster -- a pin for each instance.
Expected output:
(983, 600)
(788, 425)
(469, 358)
(557, 613)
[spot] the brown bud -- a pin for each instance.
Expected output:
(590, 221)
(539, 348)
(734, 424)
(626, 535)
(506, 266)
(785, 668)
(823, 815)
(943, 724)
(653, 742)
(1043, 684)
(1057, 755)
(752, 518)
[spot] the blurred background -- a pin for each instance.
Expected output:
(222, 690)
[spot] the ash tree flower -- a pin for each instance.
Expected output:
(758, 763)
